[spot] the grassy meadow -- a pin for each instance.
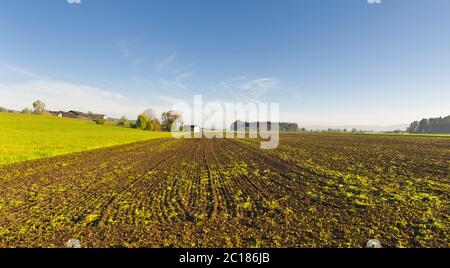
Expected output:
(26, 136)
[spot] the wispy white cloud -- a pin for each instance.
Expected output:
(173, 80)
(243, 88)
(63, 95)
(177, 84)
(74, 1)
(371, 2)
(168, 75)
(20, 71)
(171, 86)
(59, 95)
(183, 76)
(165, 62)
(127, 54)
(258, 87)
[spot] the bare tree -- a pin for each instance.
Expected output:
(150, 113)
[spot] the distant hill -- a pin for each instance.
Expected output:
(360, 127)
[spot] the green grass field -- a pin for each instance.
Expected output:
(25, 137)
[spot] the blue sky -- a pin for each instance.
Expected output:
(330, 62)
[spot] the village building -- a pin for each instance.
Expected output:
(78, 115)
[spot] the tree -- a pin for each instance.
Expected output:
(148, 121)
(39, 107)
(27, 111)
(168, 118)
(123, 121)
(143, 121)
(150, 113)
(100, 121)
(155, 125)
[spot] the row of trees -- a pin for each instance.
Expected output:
(283, 126)
(38, 108)
(148, 121)
(439, 125)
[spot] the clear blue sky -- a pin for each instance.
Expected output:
(326, 62)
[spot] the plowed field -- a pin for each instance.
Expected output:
(315, 190)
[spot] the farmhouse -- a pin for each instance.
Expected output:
(78, 115)
(64, 114)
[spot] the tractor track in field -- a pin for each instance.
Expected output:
(314, 190)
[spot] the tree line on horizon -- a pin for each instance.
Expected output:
(148, 120)
(439, 125)
(283, 126)
(38, 108)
